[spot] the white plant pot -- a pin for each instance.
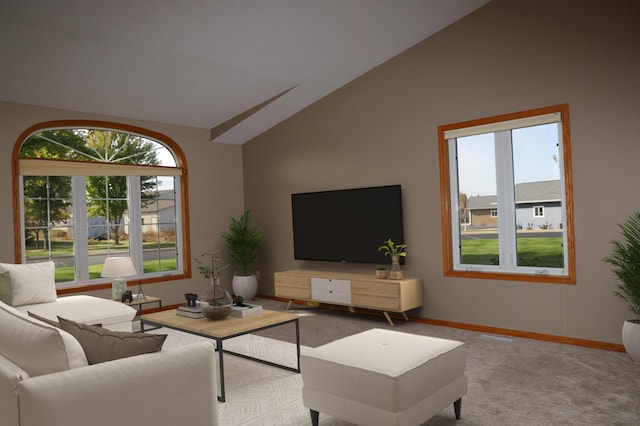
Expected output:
(631, 339)
(245, 286)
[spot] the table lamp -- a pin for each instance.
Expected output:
(117, 268)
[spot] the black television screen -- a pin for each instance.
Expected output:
(347, 225)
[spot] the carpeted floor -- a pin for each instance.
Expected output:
(512, 381)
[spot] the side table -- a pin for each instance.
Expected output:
(140, 302)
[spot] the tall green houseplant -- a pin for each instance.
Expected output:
(625, 259)
(243, 242)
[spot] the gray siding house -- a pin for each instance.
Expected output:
(538, 206)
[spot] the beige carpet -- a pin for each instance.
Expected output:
(512, 381)
(256, 394)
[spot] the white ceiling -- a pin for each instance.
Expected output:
(203, 62)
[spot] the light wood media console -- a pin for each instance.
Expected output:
(351, 290)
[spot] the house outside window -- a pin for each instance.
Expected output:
(518, 164)
(89, 190)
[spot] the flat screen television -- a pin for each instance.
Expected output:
(347, 225)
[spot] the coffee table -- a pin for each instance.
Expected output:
(224, 329)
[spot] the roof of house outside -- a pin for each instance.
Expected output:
(528, 192)
(482, 202)
(538, 192)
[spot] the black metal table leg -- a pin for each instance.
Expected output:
(222, 397)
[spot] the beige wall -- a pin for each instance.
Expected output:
(382, 129)
(215, 187)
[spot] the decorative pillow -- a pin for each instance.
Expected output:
(101, 344)
(43, 319)
(31, 282)
(35, 347)
(5, 288)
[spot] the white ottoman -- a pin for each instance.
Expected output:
(383, 377)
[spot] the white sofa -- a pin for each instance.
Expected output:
(46, 378)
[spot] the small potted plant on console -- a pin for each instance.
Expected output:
(395, 251)
(381, 271)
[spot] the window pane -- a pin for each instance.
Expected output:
(478, 215)
(159, 224)
(107, 206)
(48, 225)
(538, 196)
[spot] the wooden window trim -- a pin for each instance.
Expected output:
(65, 124)
(445, 199)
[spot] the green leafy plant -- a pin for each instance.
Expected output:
(213, 268)
(381, 268)
(625, 259)
(393, 249)
(243, 242)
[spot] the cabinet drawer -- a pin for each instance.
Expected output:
(329, 290)
(292, 286)
(377, 295)
(293, 292)
(376, 288)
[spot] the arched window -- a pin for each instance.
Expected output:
(86, 190)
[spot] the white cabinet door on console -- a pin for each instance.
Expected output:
(330, 290)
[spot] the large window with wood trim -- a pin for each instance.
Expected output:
(89, 190)
(507, 198)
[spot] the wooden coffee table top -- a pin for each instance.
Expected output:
(218, 329)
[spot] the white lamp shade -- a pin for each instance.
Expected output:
(118, 267)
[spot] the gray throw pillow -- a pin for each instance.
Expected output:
(5, 288)
(101, 344)
(43, 319)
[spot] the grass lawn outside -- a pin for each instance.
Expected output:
(60, 249)
(537, 252)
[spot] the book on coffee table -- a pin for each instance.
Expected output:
(245, 310)
(190, 311)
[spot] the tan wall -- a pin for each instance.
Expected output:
(382, 129)
(215, 187)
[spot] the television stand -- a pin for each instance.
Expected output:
(350, 290)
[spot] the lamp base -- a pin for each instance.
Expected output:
(118, 287)
(140, 295)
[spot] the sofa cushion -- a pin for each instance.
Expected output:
(36, 347)
(101, 344)
(31, 282)
(51, 322)
(5, 288)
(85, 309)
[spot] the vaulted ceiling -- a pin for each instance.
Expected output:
(236, 67)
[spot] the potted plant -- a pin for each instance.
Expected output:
(243, 243)
(625, 259)
(216, 297)
(395, 251)
(381, 271)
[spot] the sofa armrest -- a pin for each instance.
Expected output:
(170, 387)
(10, 376)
